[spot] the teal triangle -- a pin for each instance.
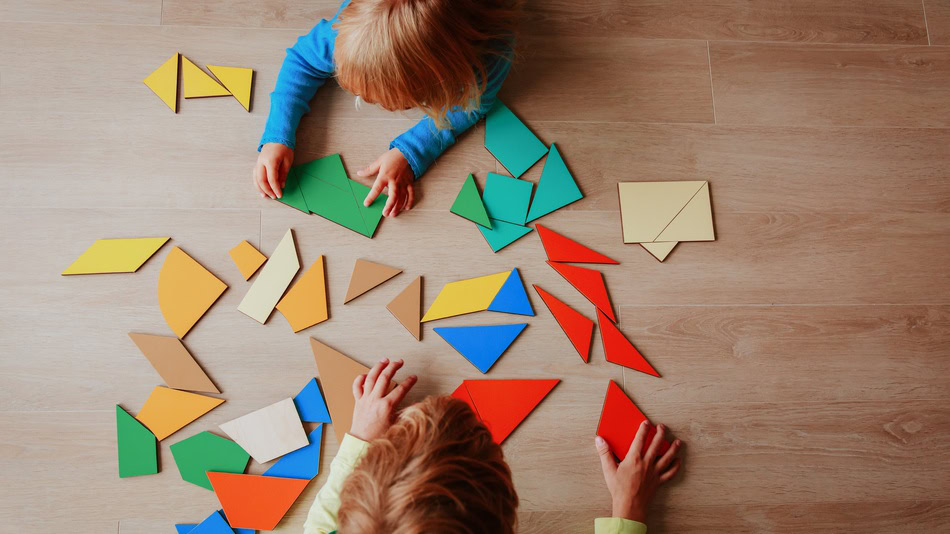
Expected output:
(468, 204)
(501, 234)
(512, 297)
(481, 345)
(556, 188)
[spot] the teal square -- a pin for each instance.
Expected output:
(507, 198)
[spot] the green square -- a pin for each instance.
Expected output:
(507, 198)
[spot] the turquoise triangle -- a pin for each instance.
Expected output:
(481, 345)
(556, 187)
(512, 297)
(501, 234)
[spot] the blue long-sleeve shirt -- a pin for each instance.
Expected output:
(310, 62)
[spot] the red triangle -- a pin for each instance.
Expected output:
(620, 420)
(579, 329)
(619, 350)
(461, 393)
(590, 283)
(503, 404)
(560, 248)
(254, 501)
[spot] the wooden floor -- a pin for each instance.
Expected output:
(805, 354)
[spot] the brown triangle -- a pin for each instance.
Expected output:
(174, 363)
(337, 372)
(407, 308)
(367, 275)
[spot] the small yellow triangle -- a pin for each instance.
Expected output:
(660, 250)
(238, 80)
(163, 81)
(196, 83)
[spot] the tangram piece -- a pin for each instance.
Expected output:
(337, 373)
(213, 524)
(328, 192)
(619, 421)
(255, 501)
(507, 198)
(115, 255)
(367, 275)
(589, 283)
(138, 451)
(664, 213)
(619, 350)
(556, 188)
(561, 249)
(305, 303)
(310, 404)
(163, 81)
(302, 463)
(481, 345)
(465, 296)
(660, 250)
(510, 141)
(579, 329)
(204, 452)
(292, 194)
(503, 404)
(168, 410)
(270, 285)
(237, 80)
(269, 432)
(185, 291)
(183, 528)
(468, 204)
(196, 83)
(247, 258)
(512, 297)
(406, 307)
(501, 234)
(174, 363)
(461, 393)
(328, 169)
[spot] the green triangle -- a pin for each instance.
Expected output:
(292, 195)
(469, 204)
(328, 168)
(556, 188)
(371, 214)
(138, 449)
(205, 452)
(332, 203)
(503, 233)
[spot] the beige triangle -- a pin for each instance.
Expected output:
(337, 373)
(407, 308)
(197, 83)
(173, 362)
(660, 249)
(367, 275)
(646, 208)
(694, 223)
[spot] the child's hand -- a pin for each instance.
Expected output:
(393, 171)
(375, 409)
(270, 171)
(633, 482)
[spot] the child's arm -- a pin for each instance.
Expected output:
(634, 481)
(373, 413)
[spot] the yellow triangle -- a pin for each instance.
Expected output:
(694, 222)
(466, 296)
(646, 208)
(168, 410)
(660, 250)
(163, 81)
(237, 80)
(195, 83)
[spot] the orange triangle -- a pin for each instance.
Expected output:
(367, 275)
(503, 404)
(620, 420)
(589, 283)
(619, 350)
(579, 329)
(560, 248)
(255, 501)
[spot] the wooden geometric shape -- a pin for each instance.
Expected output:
(619, 421)
(512, 297)
(185, 291)
(466, 296)
(589, 283)
(310, 404)
(305, 303)
(237, 80)
(247, 258)
(115, 255)
(556, 187)
(163, 81)
(406, 307)
(501, 234)
(337, 373)
(512, 143)
(197, 84)
(507, 198)
(619, 350)
(579, 329)
(367, 275)
(204, 452)
(694, 222)
(138, 451)
(213, 524)
(173, 362)
(255, 501)
(647, 209)
(292, 193)
(468, 203)
(301, 463)
(562, 249)
(482, 346)
(328, 192)
(270, 285)
(269, 432)
(660, 249)
(503, 404)
(168, 410)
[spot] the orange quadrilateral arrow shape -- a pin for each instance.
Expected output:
(255, 501)
(619, 422)
(579, 329)
(619, 350)
(589, 283)
(563, 249)
(305, 303)
(185, 291)
(503, 404)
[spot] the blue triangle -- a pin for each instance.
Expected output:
(302, 463)
(214, 525)
(481, 345)
(310, 404)
(512, 298)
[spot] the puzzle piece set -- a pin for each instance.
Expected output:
(196, 83)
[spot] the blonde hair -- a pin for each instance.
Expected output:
(427, 54)
(436, 470)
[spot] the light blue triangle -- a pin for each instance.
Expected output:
(556, 188)
(302, 463)
(186, 528)
(481, 345)
(512, 297)
(501, 234)
(310, 404)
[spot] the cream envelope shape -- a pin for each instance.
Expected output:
(665, 212)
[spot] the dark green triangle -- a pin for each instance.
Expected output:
(469, 204)
(292, 194)
(138, 451)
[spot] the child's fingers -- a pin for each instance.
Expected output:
(259, 182)
(399, 199)
(410, 197)
(272, 179)
(636, 446)
(390, 202)
(358, 386)
(399, 392)
(374, 191)
(372, 169)
(671, 472)
(654, 445)
(382, 383)
(373, 375)
(607, 461)
(668, 457)
(284, 171)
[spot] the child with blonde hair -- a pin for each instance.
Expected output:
(445, 57)
(433, 468)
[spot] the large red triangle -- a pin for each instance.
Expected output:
(254, 501)
(461, 393)
(619, 350)
(560, 248)
(503, 404)
(589, 283)
(579, 329)
(619, 422)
